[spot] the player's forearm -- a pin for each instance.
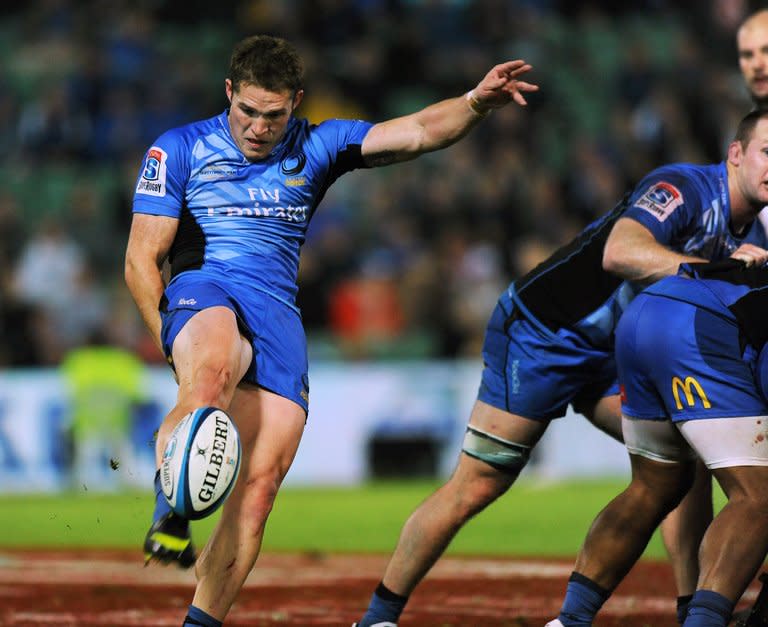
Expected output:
(647, 265)
(435, 127)
(145, 283)
(447, 121)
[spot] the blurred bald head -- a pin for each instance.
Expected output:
(752, 44)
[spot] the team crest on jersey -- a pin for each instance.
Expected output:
(661, 199)
(293, 164)
(152, 181)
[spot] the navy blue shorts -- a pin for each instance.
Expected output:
(534, 373)
(684, 361)
(273, 328)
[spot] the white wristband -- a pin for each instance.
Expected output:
(474, 104)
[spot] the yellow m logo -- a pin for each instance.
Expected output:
(688, 386)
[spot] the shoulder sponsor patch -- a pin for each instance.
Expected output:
(661, 199)
(152, 181)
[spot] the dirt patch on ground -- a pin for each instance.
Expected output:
(113, 589)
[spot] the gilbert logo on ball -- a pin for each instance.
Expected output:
(200, 463)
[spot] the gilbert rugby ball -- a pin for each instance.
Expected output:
(200, 463)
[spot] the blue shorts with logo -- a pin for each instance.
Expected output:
(536, 373)
(272, 327)
(680, 357)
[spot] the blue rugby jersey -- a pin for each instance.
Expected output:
(245, 221)
(686, 207)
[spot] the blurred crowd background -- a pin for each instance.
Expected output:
(400, 262)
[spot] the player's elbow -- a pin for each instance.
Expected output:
(131, 271)
(613, 259)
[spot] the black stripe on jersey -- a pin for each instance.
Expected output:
(188, 249)
(351, 158)
(571, 283)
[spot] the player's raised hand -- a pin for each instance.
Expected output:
(502, 85)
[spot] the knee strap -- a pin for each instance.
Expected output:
(501, 454)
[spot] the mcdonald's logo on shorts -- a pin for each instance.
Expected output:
(688, 386)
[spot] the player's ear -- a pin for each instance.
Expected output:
(228, 88)
(735, 153)
(298, 98)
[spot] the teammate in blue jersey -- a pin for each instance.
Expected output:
(550, 341)
(227, 202)
(693, 368)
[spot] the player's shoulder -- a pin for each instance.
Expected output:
(188, 134)
(686, 179)
(689, 172)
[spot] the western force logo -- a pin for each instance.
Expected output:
(688, 386)
(152, 181)
(293, 164)
(661, 200)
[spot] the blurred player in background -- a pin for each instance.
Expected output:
(693, 382)
(752, 44)
(549, 343)
(227, 202)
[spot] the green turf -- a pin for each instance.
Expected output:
(533, 518)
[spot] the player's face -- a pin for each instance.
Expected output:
(753, 169)
(752, 42)
(258, 117)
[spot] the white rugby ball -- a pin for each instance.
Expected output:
(200, 463)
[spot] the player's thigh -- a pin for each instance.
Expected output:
(749, 483)
(270, 428)
(211, 337)
(505, 425)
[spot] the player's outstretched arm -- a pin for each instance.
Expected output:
(445, 122)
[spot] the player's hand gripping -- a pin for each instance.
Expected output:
(501, 86)
(751, 255)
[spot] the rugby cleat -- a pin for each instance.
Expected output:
(168, 541)
(554, 623)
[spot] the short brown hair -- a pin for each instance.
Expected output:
(746, 128)
(269, 62)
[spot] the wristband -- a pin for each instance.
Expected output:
(474, 104)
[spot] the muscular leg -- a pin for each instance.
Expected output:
(473, 486)
(684, 527)
(620, 533)
(736, 542)
(210, 357)
(270, 429)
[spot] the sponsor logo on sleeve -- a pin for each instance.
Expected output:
(152, 181)
(661, 199)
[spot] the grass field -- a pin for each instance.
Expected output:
(533, 518)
